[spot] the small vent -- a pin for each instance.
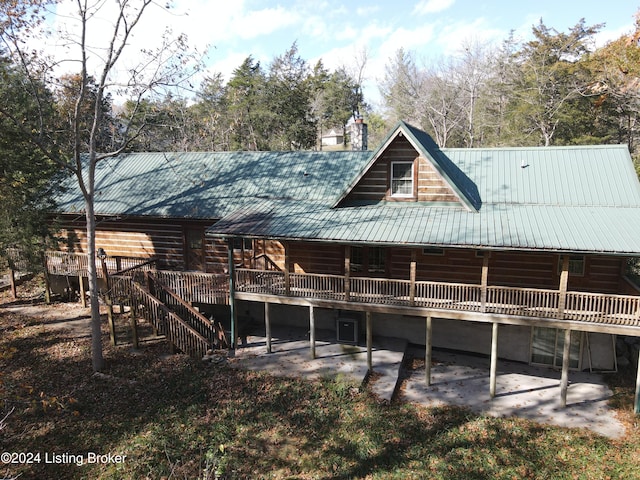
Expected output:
(347, 329)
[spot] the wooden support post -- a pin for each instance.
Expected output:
(12, 280)
(347, 272)
(369, 341)
(267, 326)
(232, 294)
(83, 291)
(564, 280)
(494, 360)
(312, 332)
(564, 379)
(412, 278)
(107, 300)
(637, 398)
(134, 323)
(47, 284)
(427, 353)
(287, 270)
(484, 281)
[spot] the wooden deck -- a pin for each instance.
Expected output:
(594, 308)
(450, 300)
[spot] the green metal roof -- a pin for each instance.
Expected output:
(519, 227)
(581, 199)
(212, 185)
(575, 199)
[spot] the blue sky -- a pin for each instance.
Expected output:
(338, 32)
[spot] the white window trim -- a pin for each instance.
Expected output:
(402, 195)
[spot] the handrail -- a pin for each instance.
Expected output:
(136, 267)
(76, 264)
(196, 287)
(268, 262)
(177, 331)
(199, 322)
(529, 302)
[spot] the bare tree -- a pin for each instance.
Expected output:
(100, 59)
(441, 102)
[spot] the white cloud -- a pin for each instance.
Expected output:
(606, 36)
(425, 7)
(367, 10)
(228, 64)
(263, 22)
(407, 39)
(453, 37)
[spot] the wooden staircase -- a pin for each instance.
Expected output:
(186, 329)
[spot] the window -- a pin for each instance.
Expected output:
(357, 259)
(576, 265)
(242, 243)
(433, 251)
(377, 260)
(368, 260)
(402, 179)
(194, 239)
(547, 345)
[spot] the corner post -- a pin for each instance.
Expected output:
(412, 278)
(287, 270)
(637, 397)
(47, 284)
(83, 291)
(564, 379)
(107, 300)
(369, 341)
(564, 280)
(347, 272)
(12, 280)
(134, 322)
(484, 281)
(312, 332)
(267, 326)
(427, 352)
(232, 293)
(494, 360)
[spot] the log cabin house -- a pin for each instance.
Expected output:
(443, 247)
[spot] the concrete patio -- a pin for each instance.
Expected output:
(457, 379)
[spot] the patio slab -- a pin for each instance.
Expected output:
(521, 390)
(291, 356)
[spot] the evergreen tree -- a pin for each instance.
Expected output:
(246, 103)
(29, 178)
(289, 98)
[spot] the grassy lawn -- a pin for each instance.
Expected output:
(177, 418)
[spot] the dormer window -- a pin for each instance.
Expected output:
(402, 179)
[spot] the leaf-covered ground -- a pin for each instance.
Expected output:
(169, 416)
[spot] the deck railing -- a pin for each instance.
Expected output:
(77, 264)
(528, 302)
(196, 287)
(193, 318)
(168, 323)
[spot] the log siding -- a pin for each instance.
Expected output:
(143, 238)
(429, 186)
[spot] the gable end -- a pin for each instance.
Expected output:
(376, 184)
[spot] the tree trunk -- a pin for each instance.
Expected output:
(96, 334)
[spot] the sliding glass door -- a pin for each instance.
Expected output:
(547, 345)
